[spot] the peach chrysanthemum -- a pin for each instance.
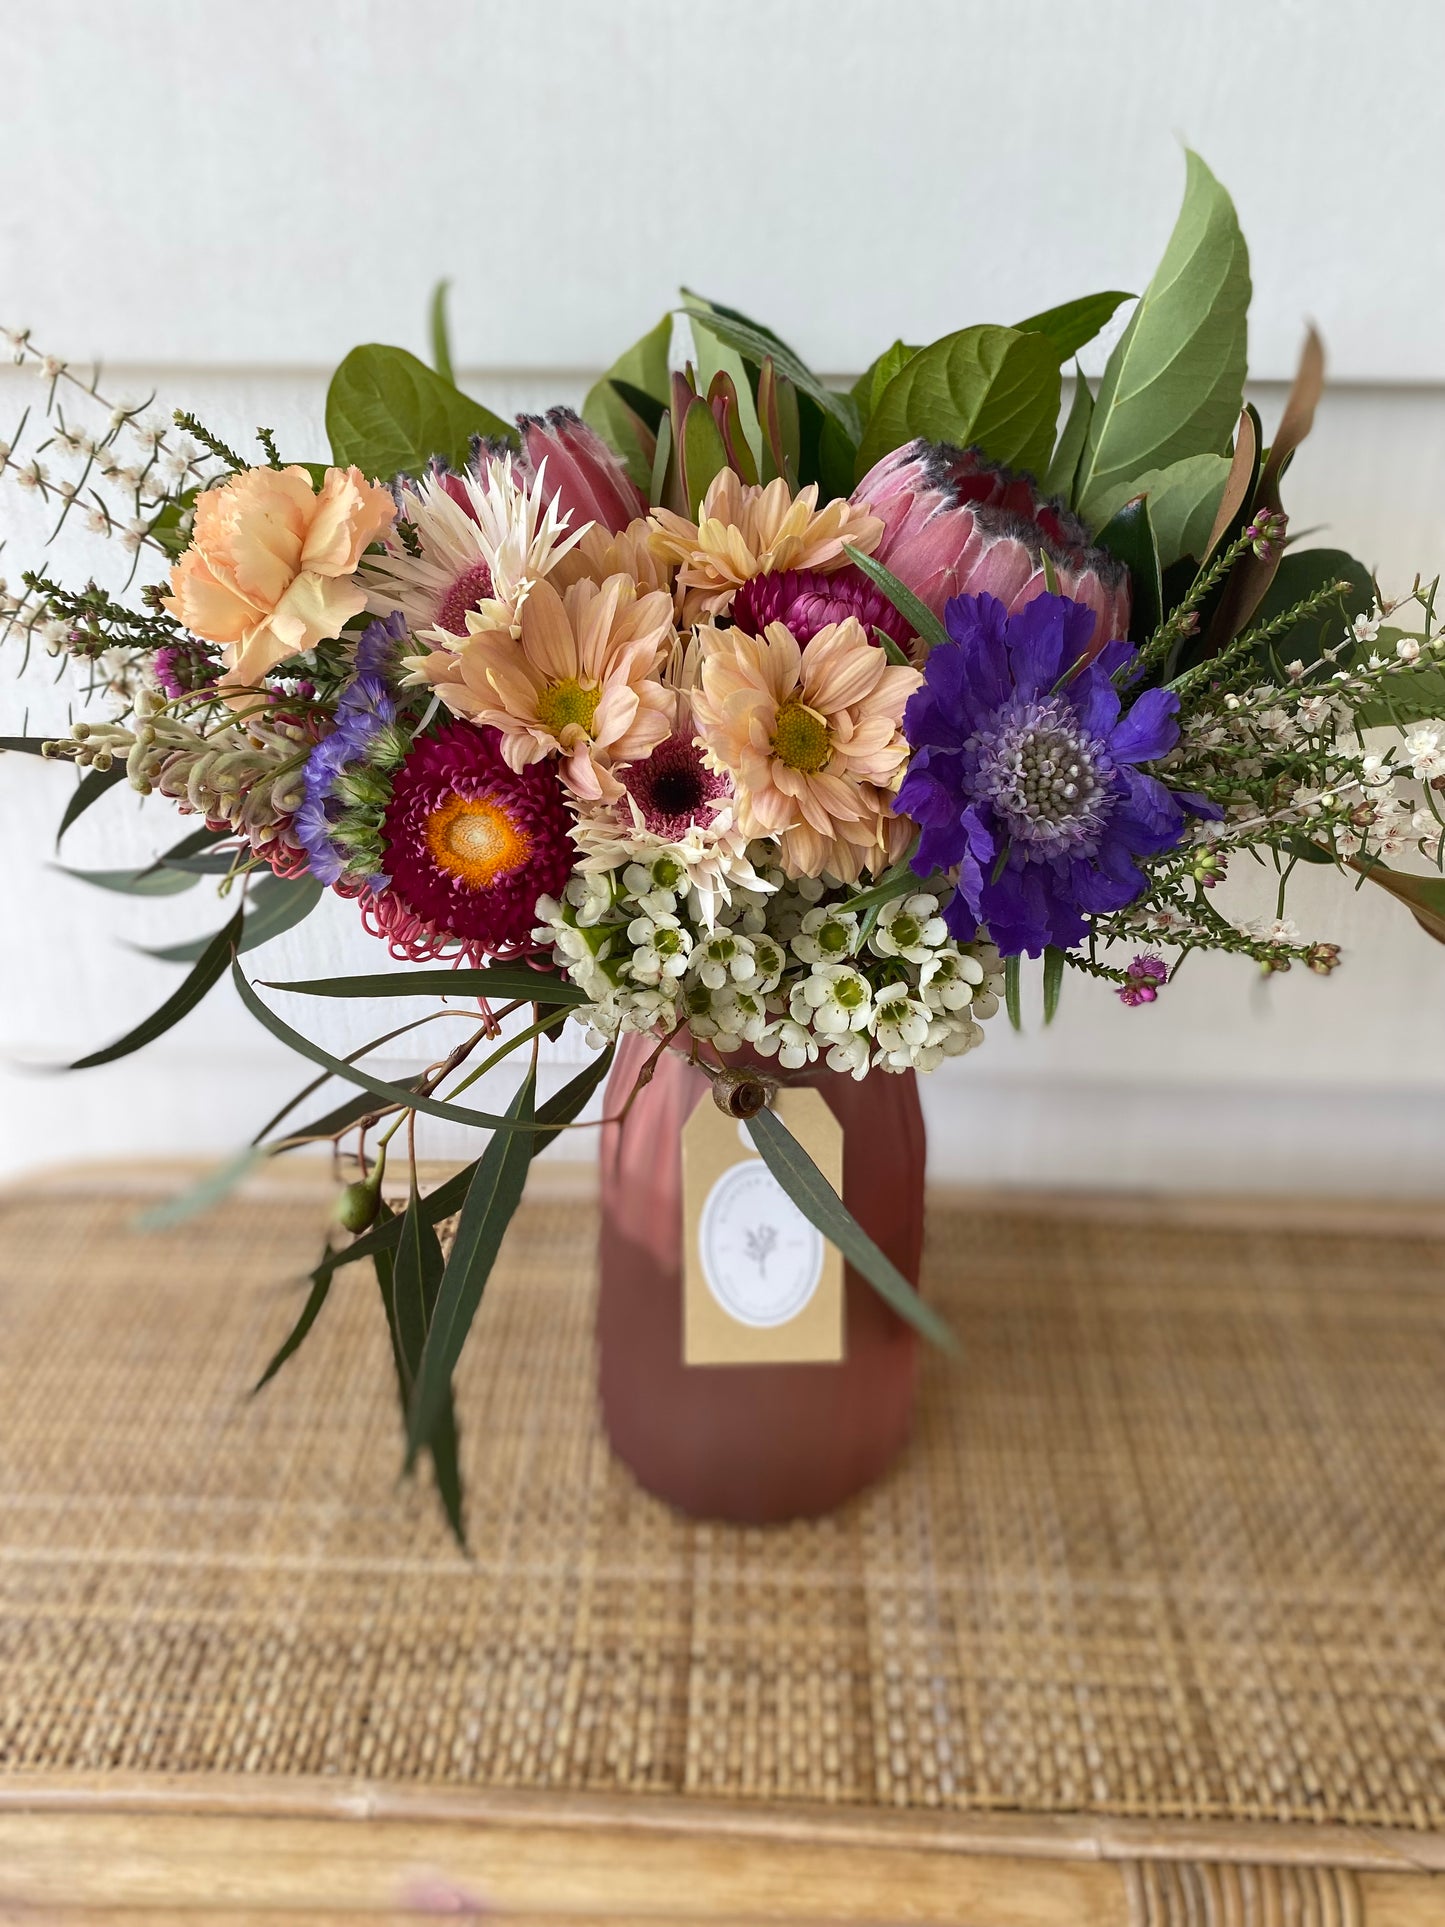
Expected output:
(813, 741)
(745, 530)
(579, 681)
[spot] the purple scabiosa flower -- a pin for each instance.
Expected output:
(345, 788)
(1024, 776)
(807, 600)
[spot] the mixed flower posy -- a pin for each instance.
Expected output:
(741, 710)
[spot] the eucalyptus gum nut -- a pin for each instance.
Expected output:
(357, 1205)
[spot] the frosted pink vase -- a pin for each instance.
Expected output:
(751, 1443)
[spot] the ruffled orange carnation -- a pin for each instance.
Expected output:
(813, 740)
(580, 681)
(271, 566)
(745, 530)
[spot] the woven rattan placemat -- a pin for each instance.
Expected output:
(1170, 1541)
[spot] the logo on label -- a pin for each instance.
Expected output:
(761, 1258)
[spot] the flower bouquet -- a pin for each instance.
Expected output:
(770, 731)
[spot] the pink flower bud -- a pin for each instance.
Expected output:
(582, 474)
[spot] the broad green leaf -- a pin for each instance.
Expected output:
(209, 968)
(498, 981)
(276, 904)
(354, 1074)
(643, 367)
(441, 340)
(1013, 990)
(205, 1192)
(1175, 381)
(993, 388)
(134, 883)
(88, 790)
(1054, 961)
(1183, 501)
(1303, 573)
(1059, 477)
(921, 619)
(389, 414)
(820, 1204)
(757, 344)
(1074, 323)
(1129, 534)
(492, 1199)
(1424, 897)
(877, 375)
(1408, 696)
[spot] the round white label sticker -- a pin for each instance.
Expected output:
(760, 1256)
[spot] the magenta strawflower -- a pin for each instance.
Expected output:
(807, 600)
(470, 845)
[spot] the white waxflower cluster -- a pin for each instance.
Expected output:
(795, 972)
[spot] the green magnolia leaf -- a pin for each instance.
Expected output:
(88, 790)
(1183, 501)
(1174, 383)
(644, 368)
(492, 1199)
(820, 1204)
(757, 344)
(441, 339)
(1054, 960)
(502, 982)
(1074, 323)
(1302, 573)
(993, 388)
(1408, 696)
(276, 904)
(1424, 897)
(1130, 535)
(920, 618)
(208, 970)
(876, 377)
(1059, 477)
(133, 883)
(389, 414)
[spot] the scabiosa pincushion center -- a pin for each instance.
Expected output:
(471, 843)
(1025, 775)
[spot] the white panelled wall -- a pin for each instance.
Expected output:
(222, 200)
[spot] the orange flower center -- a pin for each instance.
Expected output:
(566, 703)
(475, 839)
(800, 738)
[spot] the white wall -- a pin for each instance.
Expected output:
(222, 200)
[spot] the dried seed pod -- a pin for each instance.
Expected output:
(742, 1094)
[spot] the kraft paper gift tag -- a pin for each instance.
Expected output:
(761, 1285)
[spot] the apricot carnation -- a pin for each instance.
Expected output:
(813, 741)
(580, 680)
(744, 530)
(271, 568)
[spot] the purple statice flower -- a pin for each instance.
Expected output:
(364, 710)
(1025, 774)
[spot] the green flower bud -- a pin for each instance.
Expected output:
(358, 1204)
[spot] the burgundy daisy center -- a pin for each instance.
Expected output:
(674, 789)
(807, 600)
(471, 588)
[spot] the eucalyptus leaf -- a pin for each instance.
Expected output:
(24, 745)
(1183, 501)
(993, 388)
(410, 1279)
(206, 1192)
(1059, 477)
(310, 1311)
(208, 970)
(1175, 381)
(275, 905)
(389, 413)
(820, 1204)
(134, 883)
(608, 410)
(1074, 323)
(492, 1199)
(501, 981)
(179, 854)
(91, 787)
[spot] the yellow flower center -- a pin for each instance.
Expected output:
(564, 703)
(475, 839)
(800, 738)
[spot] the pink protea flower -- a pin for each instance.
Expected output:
(582, 478)
(807, 600)
(470, 845)
(955, 524)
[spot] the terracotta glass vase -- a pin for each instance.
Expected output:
(751, 1443)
